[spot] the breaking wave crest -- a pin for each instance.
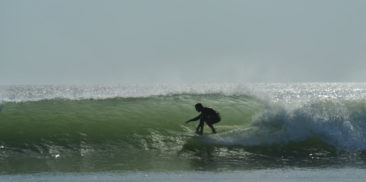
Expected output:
(340, 124)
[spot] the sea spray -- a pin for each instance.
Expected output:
(339, 124)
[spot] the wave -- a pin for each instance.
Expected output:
(247, 120)
(152, 127)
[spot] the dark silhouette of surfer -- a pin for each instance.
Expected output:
(207, 115)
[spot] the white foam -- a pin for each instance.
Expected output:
(338, 124)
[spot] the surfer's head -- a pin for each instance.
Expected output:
(198, 107)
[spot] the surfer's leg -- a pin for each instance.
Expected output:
(211, 126)
(199, 129)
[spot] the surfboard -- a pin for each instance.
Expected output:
(204, 134)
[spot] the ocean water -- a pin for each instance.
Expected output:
(268, 132)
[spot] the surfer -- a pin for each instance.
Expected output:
(207, 115)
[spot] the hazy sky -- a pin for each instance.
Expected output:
(165, 41)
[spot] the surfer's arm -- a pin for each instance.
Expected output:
(194, 119)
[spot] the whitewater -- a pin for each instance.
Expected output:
(99, 129)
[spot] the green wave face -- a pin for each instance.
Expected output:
(129, 133)
(71, 121)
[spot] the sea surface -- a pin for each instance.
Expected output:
(268, 132)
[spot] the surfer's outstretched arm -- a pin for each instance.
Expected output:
(194, 119)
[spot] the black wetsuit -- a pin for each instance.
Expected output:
(209, 116)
